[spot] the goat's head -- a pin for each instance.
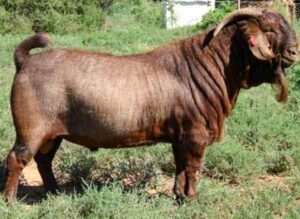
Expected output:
(272, 42)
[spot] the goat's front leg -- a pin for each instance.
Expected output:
(188, 158)
(194, 155)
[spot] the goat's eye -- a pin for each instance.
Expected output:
(269, 29)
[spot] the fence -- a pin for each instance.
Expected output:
(293, 7)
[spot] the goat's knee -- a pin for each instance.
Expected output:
(15, 162)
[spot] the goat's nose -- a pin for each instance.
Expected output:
(292, 51)
(289, 56)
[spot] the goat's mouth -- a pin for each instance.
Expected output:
(289, 56)
(287, 61)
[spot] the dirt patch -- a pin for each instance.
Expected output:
(274, 181)
(31, 189)
(164, 186)
(31, 186)
(31, 175)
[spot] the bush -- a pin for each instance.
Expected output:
(279, 6)
(139, 13)
(212, 18)
(63, 16)
(13, 23)
(230, 159)
(75, 164)
(276, 163)
(148, 13)
(55, 16)
(294, 77)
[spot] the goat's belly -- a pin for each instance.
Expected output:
(103, 133)
(137, 139)
(94, 126)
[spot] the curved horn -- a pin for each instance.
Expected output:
(244, 12)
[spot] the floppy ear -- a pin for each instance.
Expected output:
(256, 39)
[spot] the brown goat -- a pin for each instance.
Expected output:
(179, 93)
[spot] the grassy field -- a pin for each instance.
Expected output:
(252, 173)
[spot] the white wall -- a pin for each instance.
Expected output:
(186, 12)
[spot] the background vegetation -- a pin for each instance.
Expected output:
(64, 16)
(252, 173)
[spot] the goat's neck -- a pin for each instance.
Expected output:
(229, 57)
(215, 68)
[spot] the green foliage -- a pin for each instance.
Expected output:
(280, 7)
(13, 23)
(75, 164)
(132, 170)
(277, 163)
(56, 16)
(148, 13)
(212, 18)
(230, 160)
(267, 204)
(63, 16)
(294, 76)
(141, 13)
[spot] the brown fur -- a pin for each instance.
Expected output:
(179, 93)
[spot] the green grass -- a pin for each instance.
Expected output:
(252, 173)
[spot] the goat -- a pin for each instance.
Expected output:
(179, 93)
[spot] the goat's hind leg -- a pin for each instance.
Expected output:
(44, 159)
(20, 155)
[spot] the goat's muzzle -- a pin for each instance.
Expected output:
(289, 55)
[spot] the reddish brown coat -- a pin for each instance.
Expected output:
(179, 93)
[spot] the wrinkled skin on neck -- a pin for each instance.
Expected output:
(231, 66)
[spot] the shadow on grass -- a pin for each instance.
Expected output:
(31, 195)
(131, 175)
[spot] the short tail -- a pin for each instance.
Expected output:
(22, 51)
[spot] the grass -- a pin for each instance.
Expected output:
(252, 173)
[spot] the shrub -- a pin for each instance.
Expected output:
(13, 23)
(63, 16)
(212, 18)
(148, 13)
(228, 160)
(56, 16)
(279, 6)
(294, 77)
(140, 13)
(276, 163)
(75, 164)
